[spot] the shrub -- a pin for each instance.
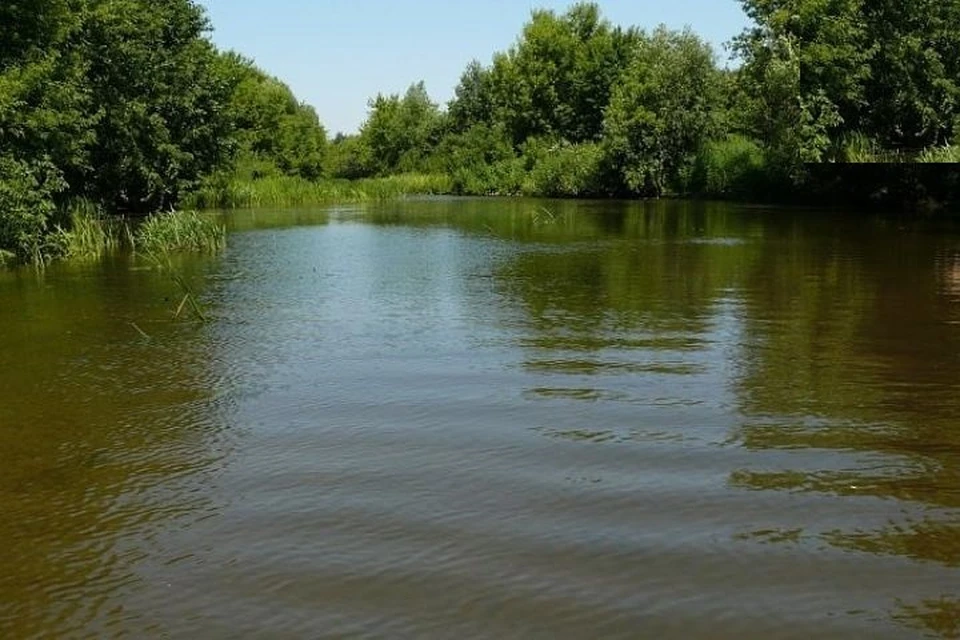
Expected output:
(27, 205)
(733, 166)
(567, 171)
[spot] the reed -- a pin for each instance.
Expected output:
(179, 231)
(732, 166)
(947, 154)
(89, 233)
(286, 191)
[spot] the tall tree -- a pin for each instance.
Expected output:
(161, 122)
(401, 132)
(556, 81)
(662, 111)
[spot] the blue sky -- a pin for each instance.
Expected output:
(336, 54)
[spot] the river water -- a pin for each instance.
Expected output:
(490, 419)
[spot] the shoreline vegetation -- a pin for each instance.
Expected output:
(109, 114)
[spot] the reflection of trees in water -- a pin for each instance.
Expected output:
(850, 350)
(948, 264)
(607, 295)
(940, 617)
(846, 345)
(104, 434)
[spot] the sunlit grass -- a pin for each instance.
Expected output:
(941, 154)
(89, 233)
(180, 231)
(285, 191)
(734, 165)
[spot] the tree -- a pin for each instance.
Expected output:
(886, 69)
(270, 125)
(556, 81)
(661, 112)
(160, 120)
(401, 132)
(795, 126)
(473, 99)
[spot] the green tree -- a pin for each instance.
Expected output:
(401, 132)
(662, 112)
(272, 129)
(473, 99)
(884, 69)
(160, 121)
(556, 81)
(796, 127)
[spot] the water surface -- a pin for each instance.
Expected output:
(491, 419)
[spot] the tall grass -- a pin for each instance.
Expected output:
(89, 233)
(860, 148)
(286, 191)
(180, 231)
(733, 166)
(949, 154)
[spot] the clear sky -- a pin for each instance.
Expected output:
(336, 54)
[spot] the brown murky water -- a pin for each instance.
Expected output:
(491, 419)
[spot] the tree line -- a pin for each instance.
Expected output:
(581, 107)
(127, 105)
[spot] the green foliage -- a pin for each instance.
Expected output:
(180, 231)
(89, 233)
(127, 104)
(885, 68)
(730, 167)
(481, 161)
(400, 134)
(661, 112)
(473, 101)
(556, 81)
(289, 191)
(343, 159)
(26, 206)
(949, 154)
(568, 171)
(859, 147)
(160, 123)
(271, 126)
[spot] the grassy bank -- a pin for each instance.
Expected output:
(82, 231)
(88, 234)
(286, 191)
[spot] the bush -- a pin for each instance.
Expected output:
(503, 178)
(733, 166)
(567, 171)
(480, 161)
(27, 193)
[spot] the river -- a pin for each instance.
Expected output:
(447, 418)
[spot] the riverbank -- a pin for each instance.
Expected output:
(84, 232)
(289, 191)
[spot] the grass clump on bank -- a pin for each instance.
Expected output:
(180, 231)
(89, 234)
(731, 167)
(948, 154)
(290, 191)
